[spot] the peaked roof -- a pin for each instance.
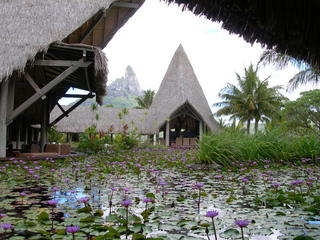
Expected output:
(178, 87)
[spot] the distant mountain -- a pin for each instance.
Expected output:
(122, 92)
(125, 86)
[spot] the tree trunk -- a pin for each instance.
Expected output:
(256, 124)
(248, 126)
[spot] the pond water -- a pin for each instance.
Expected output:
(280, 202)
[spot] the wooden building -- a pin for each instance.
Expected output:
(46, 48)
(179, 110)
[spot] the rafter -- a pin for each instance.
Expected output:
(125, 5)
(64, 114)
(36, 96)
(94, 23)
(60, 63)
(31, 82)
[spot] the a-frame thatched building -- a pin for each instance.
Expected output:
(46, 48)
(179, 110)
(180, 104)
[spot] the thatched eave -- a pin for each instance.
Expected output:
(288, 26)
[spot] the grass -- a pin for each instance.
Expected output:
(229, 148)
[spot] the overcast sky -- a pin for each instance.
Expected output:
(149, 39)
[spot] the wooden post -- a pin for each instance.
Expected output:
(157, 139)
(154, 140)
(26, 134)
(200, 129)
(167, 133)
(44, 124)
(18, 134)
(32, 135)
(4, 85)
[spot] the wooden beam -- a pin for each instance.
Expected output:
(200, 129)
(11, 93)
(125, 5)
(61, 108)
(4, 85)
(94, 23)
(70, 109)
(44, 125)
(84, 57)
(35, 97)
(76, 95)
(168, 133)
(61, 63)
(31, 82)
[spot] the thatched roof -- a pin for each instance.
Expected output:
(58, 30)
(30, 26)
(179, 87)
(288, 26)
(83, 117)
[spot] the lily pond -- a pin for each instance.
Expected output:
(157, 194)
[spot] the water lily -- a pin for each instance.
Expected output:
(72, 229)
(242, 224)
(212, 214)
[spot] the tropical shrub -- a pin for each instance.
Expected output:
(231, 147)
(125, 141)
(55, 136)
(92, 141)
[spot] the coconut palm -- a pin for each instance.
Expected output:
(251, 100)
(146, 99)
(308, 74)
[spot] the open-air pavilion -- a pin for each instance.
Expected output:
(46, 49)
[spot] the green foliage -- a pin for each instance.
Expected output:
(251, 99)
(43, 217)
(91, 141)
(55, 136)
(301, 116)
(229, 148)
(308, 74)
(146, 99)
(125, 141)
(303, 237)
(121, 101)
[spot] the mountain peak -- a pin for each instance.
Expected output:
(128, 85)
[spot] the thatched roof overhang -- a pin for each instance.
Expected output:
(48, 35)
(30, 26)
(288, 26)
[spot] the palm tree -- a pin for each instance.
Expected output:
(308, 74)
(146, 99)
(268, 101)
(251, 100)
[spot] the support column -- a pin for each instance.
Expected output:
(4, 85)
(26, 134)
(167, 133)
(44, 125)
(18, 134)
(32, 135)
(200, 129)
(154, 140)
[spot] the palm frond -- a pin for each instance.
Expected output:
(310, 75)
